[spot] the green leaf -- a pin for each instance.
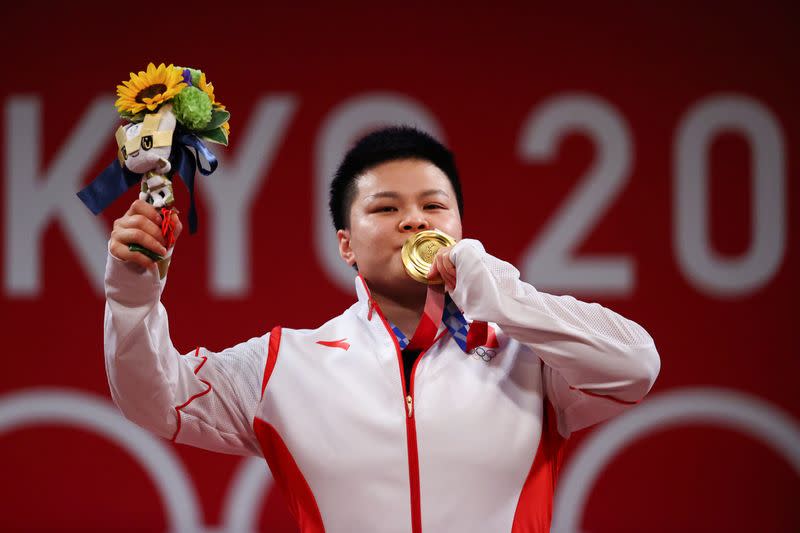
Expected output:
(218, 118)
(127, 115)
(215, 136)
(141, 249)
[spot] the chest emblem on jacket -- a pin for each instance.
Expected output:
(482, 353)
(336, 344)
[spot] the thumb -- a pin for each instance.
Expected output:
(434, 271)
(177, 224)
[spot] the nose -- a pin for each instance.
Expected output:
(414, 221)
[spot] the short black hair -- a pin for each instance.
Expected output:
(387, 144)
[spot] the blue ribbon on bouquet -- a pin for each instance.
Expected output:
(188, 155)
(109, 185)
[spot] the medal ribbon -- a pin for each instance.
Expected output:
(430, 320)
(467, 335)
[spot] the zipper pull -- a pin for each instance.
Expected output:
(410, 405)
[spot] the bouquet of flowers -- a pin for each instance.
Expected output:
(169, 112)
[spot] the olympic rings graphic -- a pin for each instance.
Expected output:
(487, 354)
(250, 485)
(252, 481)
(722, 407)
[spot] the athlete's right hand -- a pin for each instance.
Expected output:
(140, 225)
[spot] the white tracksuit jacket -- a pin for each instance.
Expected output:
(474, 447)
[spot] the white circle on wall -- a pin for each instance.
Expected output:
(730, 409)
(34, 407)
(249, 487)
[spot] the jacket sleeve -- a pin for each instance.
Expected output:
(202, 398)
(596, 363)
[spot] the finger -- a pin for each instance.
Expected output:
(178, 224)
(438, 261)
(434, 271)
(140, 207)
(449, 280)
(143, 223)
(452, 279)
(136, 236)
(448, 265)
(436, 264)
(449, 268)
(447, 274)
(122, 252)
(448, 287)
(443, 261)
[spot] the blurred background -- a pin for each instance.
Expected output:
(638, 154)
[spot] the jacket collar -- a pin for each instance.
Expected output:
(466, 337)
(365, 296)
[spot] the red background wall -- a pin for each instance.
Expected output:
(480, 73)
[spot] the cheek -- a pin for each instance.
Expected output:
(457, 235)
(370, 242)
(365, 240)
(452, 226)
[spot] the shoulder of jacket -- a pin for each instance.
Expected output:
(346, 320)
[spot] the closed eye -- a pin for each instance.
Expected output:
(385, 209)
(435, 206)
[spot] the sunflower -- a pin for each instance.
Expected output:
(226, 127)
(149, 89)
(208, 88)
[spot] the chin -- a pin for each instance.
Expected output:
(406, 283)
(395, 282)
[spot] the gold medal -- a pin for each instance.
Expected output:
(420, 249)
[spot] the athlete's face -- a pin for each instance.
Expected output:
(393, 201)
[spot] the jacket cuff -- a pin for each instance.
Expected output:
(466, 246)
(129, 283)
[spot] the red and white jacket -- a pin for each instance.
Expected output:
(475, 447)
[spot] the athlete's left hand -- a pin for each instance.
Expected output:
(443, 266)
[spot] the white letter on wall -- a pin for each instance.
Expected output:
(232, 190)
(33, 198)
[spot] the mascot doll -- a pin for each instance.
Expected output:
(169, 112)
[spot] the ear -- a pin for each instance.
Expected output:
(345, 250)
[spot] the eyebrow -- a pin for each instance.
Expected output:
(393, 194)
